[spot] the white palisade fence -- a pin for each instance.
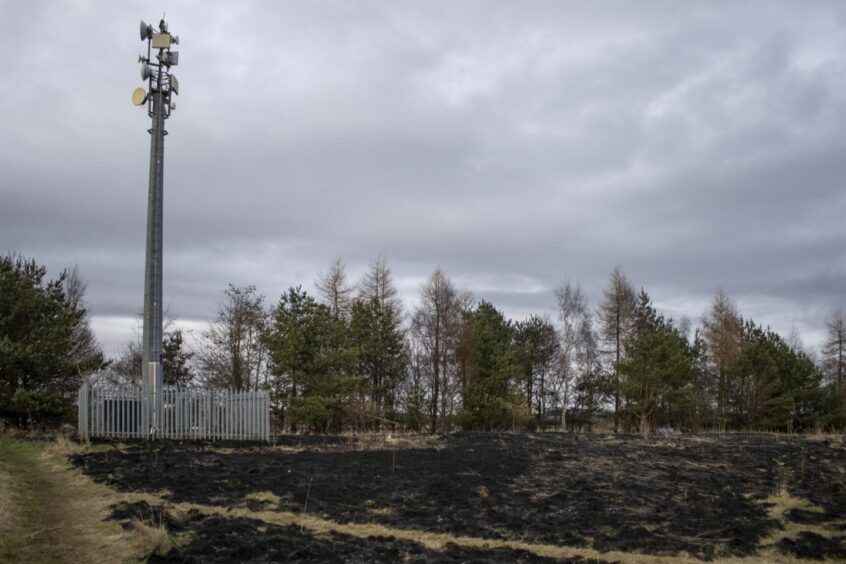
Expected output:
(119, 411)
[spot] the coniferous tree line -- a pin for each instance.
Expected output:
(46, 342)
(352, 357)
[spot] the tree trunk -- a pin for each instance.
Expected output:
(644, 424)
(436, 366)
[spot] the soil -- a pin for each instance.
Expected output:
(703, 495)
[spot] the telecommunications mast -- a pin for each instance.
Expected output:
(161, 84)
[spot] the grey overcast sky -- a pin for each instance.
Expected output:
(699, 145)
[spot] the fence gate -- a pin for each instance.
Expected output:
(118, 411)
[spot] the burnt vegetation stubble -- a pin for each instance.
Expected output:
(701, 495)
(226, 539)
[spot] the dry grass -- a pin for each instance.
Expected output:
(381, 511)
(839, 439)
(287, 449)
(393, 442)
(7, 517)
(264, 497)
(59, 514)
(364, 442)
(63, 446)
(154, 534)
(664, 444)
(438, 541)
(780, 503)
(482, 491)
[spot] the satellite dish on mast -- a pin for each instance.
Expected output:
(139, 96)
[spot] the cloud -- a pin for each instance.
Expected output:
(514, 145)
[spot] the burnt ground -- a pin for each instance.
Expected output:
(239, 539)
(707, 496)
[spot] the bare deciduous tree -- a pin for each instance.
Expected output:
(233, 352)
(572, 307)
(334, 290)
(127, 366)
(86, 353)
(834, 352)
(588, 385)
(615, 316)
(177, 365)
(433, 326)
(722, 331)
(378, 284)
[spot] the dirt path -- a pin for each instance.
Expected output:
(50, 513)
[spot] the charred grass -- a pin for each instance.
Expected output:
(523, 497)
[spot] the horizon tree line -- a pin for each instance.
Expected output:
(350, 357)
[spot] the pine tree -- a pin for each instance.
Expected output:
(702, 411)
(757, 399)
(658, 366)
(176, 360)
(41, 362)
(377, 337)
(310, 362)
(489, 400)
(537, 348)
